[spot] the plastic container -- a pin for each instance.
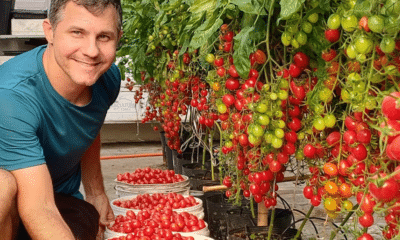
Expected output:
(203, 232)
(6, 7)
(195, 236)
(125, 189)
(197, 210)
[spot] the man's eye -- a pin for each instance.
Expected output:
(77, 33)
(104, 37)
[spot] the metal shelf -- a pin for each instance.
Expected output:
(8, 37)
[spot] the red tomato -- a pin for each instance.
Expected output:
(366, 220)
(387, 192)
(294, 70)
(390, 108)
(301, 60)
(332, 35)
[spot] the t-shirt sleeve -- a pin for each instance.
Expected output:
(19, 143)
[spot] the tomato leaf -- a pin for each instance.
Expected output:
(203, 5)
(243, 46)
(171, 5)
(205, 31)
(289, 7)
(251, 6)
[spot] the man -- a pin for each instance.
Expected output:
(53, 101)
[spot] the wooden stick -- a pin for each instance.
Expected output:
(223, 187)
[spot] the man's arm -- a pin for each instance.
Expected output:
(36, 205)
(92, 180)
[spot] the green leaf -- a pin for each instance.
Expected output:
(243, 47)
(251, 6)
(195, 21)
(205, 31)
(171, 5)
(203, 5)
(288, 7)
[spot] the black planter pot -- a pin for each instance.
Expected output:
(221, 212)
(167, 152)
(260, 233)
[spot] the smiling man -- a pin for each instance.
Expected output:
(53, 102)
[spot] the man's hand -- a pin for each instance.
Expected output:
(102, 204)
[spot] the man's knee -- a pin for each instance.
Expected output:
(81, 216)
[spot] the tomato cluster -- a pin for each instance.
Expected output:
(157, 201)
(161, 234)
(150, 176)
(150, 222)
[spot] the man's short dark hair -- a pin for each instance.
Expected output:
(94, 6)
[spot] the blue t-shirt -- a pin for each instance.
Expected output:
(39, 126)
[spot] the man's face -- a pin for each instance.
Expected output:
(84, 44)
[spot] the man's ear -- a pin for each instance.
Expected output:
(48, 30)
(120, 35)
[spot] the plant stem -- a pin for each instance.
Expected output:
(333, 234)
(271, 223)
(204, 151)
(304, 222)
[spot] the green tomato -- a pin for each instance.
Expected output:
(353, 77)
(361, 58)
(376, 78)
(258, 131)
(281, 124)
(306, 27)
(351, 51)
(329, 120)
(376, 23)
(263, 119)
(313, 18)
(279, 133)
(299, 155)
(286, 38)
(301, 136)
(278, 114)
(392, 7)
(273, 96)
(301, 37)
(360, 87)
(349, 23)
(325, 95)
(276, 142)
(268, 137)
(262, 108)
(254, 140)
(319, 123)
(363, 44)
(295, 43)
(292, 29)
(282, 94)
(265, 87)
(391, 25)
(210, 58)
(334, 21)
(345, 96)
(319, 109)
(387, 44)
(283, 84)
(222, 108)
(390, 69)
(371, 103)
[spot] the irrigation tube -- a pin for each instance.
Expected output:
(131, 156)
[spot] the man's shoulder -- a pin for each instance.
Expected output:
(19, 68)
